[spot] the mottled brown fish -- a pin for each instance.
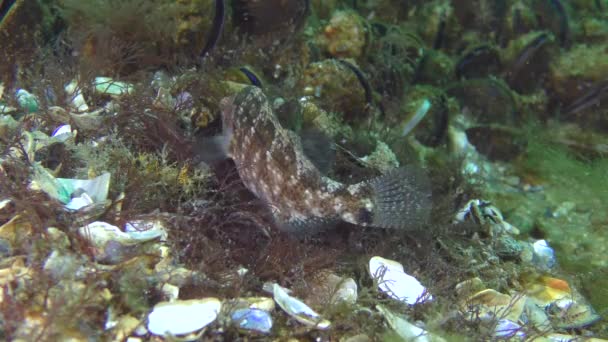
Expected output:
(272, 164)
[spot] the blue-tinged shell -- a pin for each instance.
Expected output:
(544, 256)
(252, 319)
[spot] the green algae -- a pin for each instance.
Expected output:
(574, 218)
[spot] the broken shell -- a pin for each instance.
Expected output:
(329, 288)
(100, 233)
(97, 188)
(536, 316)
(16, 231)
(252, 319)
(183, 317)
(569, 314)
(405, 329)
(544, 256)
(489, 304)
(508, 329)
(468, 287)
(547, 290)
(62, 133)
(76, 99)
(297, 309)
(63, 189)
(393, 281)
(146, 230)
(27, 101)
(261, 303)
(107, 86)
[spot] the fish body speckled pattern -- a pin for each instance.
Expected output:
(272, 165)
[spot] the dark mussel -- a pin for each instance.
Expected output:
(432, 129)
(217, 27)
(478, 62)
(526, 71)
(590, 109)
(552, 15)
(5, 6)
(497, 143)
(21, 25)
(486, 100)
(256, 17)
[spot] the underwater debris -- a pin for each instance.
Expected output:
(73, 193)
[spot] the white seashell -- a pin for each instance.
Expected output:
(346, 291)
(62, 133)
(297, 309)
(183, 316)
(507, 329)
(544, 256)
(74, 93)
(405, 329)
(171, 292)
(397, 284)
(252, 319)
(4, 203)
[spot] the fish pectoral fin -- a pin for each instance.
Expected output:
(212, 149)
(319, 148)
(402, 198)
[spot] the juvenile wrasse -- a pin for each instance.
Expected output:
(271, 163)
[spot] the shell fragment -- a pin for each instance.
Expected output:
(297, 309)
(397, 284)
(183, 317)
(252, 319)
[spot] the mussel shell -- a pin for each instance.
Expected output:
(432, 129)
(526, 72)
(5, 6)
(478, 62)
(496, 142)
(486, 100)
(552, 15)
(264, 16)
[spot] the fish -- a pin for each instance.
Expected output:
(272, 164)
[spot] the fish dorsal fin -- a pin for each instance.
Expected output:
(402, 198)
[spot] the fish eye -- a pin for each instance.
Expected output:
(365, 216)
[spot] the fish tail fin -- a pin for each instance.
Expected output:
(402, 199)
